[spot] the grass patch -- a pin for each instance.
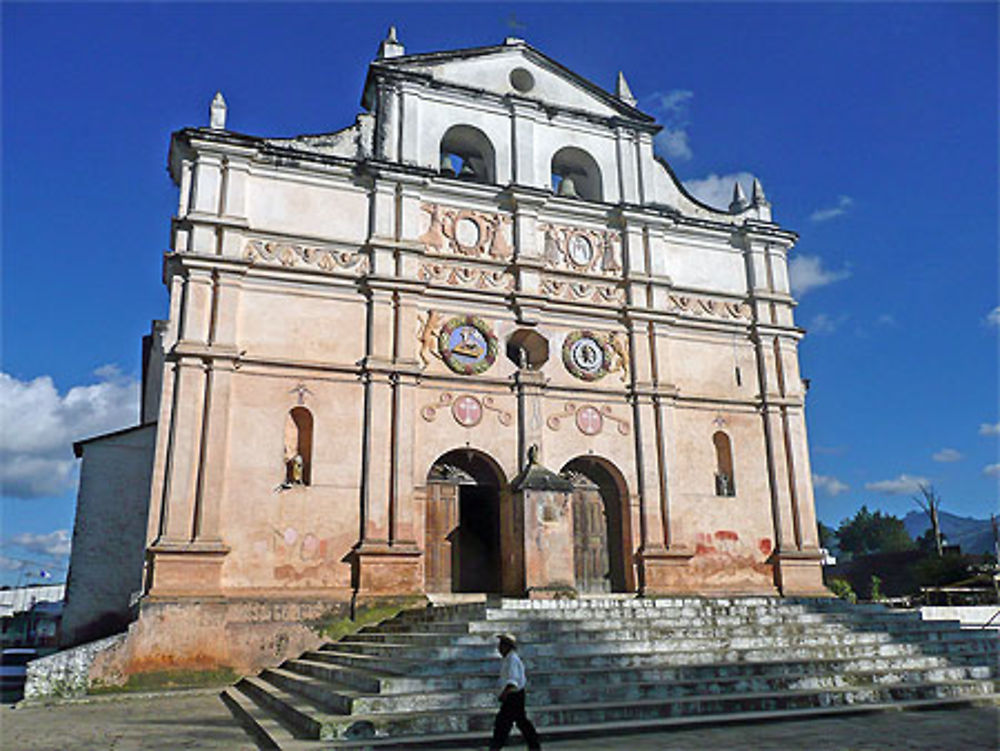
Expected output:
(166, 680)
(336, 626)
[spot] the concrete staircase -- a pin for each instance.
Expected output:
(427, 677)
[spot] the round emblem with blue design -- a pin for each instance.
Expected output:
(467, 345)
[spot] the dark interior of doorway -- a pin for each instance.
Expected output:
(476, 557)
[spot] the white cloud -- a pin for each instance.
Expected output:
(38, 426)
(55, 544)
(823, 323)
(843, 204)
(902, 485)
(830, 485)
(886, 319)
(947, 455)
(673, 110)
(673, 143)
(992, 470)
(10, 564)
(807, 273)
(988, 428)
(993, 317)
(717, 190)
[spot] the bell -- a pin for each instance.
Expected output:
(568, 188)
(447, 168)
(468, 171)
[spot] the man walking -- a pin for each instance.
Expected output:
(512, 682)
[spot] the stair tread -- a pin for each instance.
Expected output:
(737, 696)
(629, 726)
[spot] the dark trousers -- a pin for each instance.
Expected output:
(512, 713)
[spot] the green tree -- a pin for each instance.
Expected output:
(876, 532)
(827, 535)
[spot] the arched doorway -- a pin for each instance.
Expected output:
(602, 540)
(462, 523)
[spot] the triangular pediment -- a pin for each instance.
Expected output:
(520, 70)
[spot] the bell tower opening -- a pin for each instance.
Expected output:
(462, 524)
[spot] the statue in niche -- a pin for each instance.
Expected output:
(296, 470)
(723, 485)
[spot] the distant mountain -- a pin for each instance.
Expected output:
(973, 535)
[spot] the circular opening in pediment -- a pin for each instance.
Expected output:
(522, 80)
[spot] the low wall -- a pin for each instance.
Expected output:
(66, 674)
(970, 616)
(195, 635)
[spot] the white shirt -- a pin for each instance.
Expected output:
(512, 672)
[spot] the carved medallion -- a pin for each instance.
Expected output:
(586, 355)
(581, 252)
(467, 411)
(589, 420)
(467, 345)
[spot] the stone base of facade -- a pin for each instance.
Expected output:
(800, 573)
(680, 571)
(381, 570)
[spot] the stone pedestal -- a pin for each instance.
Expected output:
(192, 569)
(387, 570)
(546, 500)
(800, 573)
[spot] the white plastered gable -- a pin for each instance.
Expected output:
(491, 71)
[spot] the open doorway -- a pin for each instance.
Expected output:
(462, 524)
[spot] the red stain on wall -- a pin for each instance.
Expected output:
(700, 549)
(725, 534)
(764, 545)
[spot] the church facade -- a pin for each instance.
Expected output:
(482, 340)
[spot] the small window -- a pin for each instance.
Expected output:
(298, 447)
(725, 480)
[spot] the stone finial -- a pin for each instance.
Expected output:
(739, 201)
(757, 197)
(390, 46)
(623, 92)
(217, 112)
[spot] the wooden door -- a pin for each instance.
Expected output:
(590, 541)
(439, 536)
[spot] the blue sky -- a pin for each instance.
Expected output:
(872, 126)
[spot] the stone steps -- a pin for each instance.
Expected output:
(903, 670)
(430, 673)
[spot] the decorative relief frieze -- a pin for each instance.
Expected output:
(707, 307)
(465, 276)
(583, 291)
(463, 232)
(588, 418)
(467, 410)
(581, 250)
(289, 255)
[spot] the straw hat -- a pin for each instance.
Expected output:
(508, 639)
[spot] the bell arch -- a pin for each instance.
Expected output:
(576, 174)
(462, 523)
(600, 490)
(298, 446)
(465, 151)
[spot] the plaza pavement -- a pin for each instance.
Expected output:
(198, 720)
